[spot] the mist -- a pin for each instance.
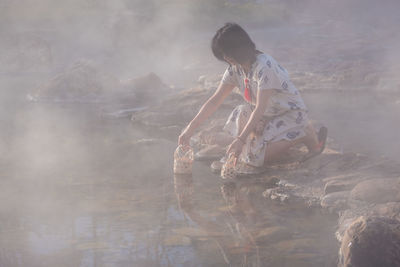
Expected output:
(79, 184)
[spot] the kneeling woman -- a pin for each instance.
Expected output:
(274, 117)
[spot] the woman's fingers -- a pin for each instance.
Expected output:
(181, 140)
(184, 139)
(235, 147)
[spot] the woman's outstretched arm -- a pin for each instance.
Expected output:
(208, 108)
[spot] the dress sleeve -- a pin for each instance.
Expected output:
(229, 77)
(271, 78)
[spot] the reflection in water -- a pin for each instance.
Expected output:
(98, 198)
(242, 212)
(254, 232)
(184, 192)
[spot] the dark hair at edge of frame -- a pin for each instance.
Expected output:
(232, 41)
(375, 241)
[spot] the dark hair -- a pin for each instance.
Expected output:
(232, 41)
(371, 242)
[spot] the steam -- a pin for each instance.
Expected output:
(45, 145)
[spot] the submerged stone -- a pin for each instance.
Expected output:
(335, 201)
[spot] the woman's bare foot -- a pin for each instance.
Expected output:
(315, 140)
(318, 147)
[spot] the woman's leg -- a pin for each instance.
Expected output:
(275, 150)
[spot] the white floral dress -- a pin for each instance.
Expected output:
(285, 115)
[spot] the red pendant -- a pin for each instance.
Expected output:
(247, 93)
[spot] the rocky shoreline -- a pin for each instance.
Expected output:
(346, 184)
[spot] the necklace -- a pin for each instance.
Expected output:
(247, 90)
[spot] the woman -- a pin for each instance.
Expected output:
(274, 117)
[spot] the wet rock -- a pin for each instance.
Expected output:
(212, 135)
(343, 177)
(340, 185)
(377, 191)
(216, 166)
(282, 193)
(335, 201)
(301, 193)
(147, 88)
(276, 194)
(346, 218)
(210, 152)
(372, 241)
(389, 210)
(85, 81)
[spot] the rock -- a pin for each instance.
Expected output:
(343, 177)
(216, 166)
(389, 210)
(85, 81)
(335, 201)
(149, 87)
(210, 152)
(277, 194)
(377, 191)
(340, 185)
(345, 219)
(371, 241)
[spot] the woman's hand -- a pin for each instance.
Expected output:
(206, 110)
(184, 138)
(235, 147)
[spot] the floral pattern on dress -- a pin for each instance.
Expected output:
(286, 111)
